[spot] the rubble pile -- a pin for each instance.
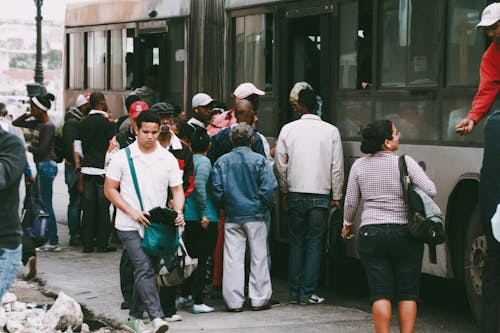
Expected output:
(64, 316)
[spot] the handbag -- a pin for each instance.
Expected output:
(173, 269)
(160, 237)
(425, 220)
(34, 216)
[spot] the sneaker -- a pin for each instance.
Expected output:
(184, 301)
(174, 317)
(313, 299)
(202, 308)
(135, 325)
(48, 248)
(159, 325)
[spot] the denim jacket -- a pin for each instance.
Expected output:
(243, 183)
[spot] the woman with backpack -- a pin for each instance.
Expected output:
(391, 257)
(42, 148)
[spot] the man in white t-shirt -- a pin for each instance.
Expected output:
(156, 170)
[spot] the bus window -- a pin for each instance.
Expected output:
(465, 44)
(118, 63)
(76, 61)
(410, 43)
(354, 115)
(455, 110)
(416, 120)
(97, 60)
(253, 54)
(355, 44)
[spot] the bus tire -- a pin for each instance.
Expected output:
(474, 255)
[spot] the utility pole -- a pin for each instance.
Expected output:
(37, 87)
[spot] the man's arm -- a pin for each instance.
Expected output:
(12, 159)
(111, 192)
(178, 204)
(337, 169)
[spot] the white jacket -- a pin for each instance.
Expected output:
(309, 157)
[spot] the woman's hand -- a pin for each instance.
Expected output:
(204, 222)
(179, 220)
(346, 232)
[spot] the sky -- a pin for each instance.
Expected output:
(26, 9)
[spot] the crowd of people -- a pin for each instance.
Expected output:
(221, 177)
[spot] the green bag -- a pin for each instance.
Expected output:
(159, 239)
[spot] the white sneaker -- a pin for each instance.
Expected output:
(174, 317)
(202, 308)
(159, 325)
(135, 325)
(48, 248)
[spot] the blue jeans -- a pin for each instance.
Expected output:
(46, 172)
(74, 210)
(9, 264)
(308, 214)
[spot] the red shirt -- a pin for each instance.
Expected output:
(489, 83)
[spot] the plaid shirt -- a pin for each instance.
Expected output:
(375, 179)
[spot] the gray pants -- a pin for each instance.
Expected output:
(145, 296)
(233, 280)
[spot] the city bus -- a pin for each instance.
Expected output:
(413, 62)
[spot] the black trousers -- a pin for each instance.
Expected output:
(95, 220)
(489, 198)
(200, 243)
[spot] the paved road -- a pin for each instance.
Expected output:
(93, 280)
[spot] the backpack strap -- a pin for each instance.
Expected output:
(134, 177)
(403, 176)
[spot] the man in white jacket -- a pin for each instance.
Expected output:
(310, 166)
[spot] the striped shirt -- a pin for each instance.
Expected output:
(375, 179)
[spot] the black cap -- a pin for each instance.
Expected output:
(163, 108)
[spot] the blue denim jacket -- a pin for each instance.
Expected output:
(244, 183)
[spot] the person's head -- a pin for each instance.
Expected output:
(490, 21)
(307, 102)
(244, 112)
(131, 99)
(183, 130)
(241, 135)
(135, 110)
(41, 104)
(82, 102)
(3, 110)
(98, 101)
(202, 106)
(380, 135)
(148, 129)
(200, 141)
(166, 112)
(294, 93)
(249, 92)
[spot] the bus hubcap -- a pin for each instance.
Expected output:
(476, 263)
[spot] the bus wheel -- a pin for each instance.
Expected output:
(475, 253)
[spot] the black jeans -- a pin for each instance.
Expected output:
(200, 243)
(489, 197)
(95, 220)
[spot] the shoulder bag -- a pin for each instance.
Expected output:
(425, 220)
(160, 237)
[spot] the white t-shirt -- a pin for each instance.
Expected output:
(155, 172)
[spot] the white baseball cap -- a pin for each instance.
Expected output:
(82, 99)
(246, 89)
(490, 16)
(201, 99)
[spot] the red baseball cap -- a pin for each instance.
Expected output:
(136, 108)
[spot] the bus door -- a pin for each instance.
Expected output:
(304, 56)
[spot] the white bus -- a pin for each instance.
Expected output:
(414, 62)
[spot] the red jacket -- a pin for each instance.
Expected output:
(489, 83)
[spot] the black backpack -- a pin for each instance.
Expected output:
(34, 216)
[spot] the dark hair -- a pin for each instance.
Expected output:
(147, 116)
(45, 100)
(130, 100)
(200, 140)
(186, 131)
(95, 99)
(374, 135)
(307, 98)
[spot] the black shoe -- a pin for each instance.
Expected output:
(125, 305)
(106, 249)
(75, 241)
(88, 249)
(234, 310)
(266, 306)
(274, 302)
